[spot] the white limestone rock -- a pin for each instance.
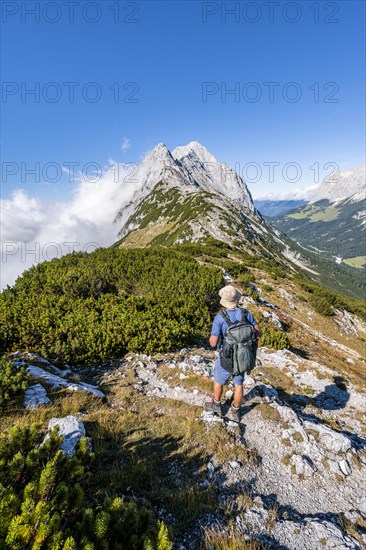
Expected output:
(345, 467)
(303, 466)
(35, 396)
(71, 429)
(58, 381)
(313, 534)
(329, 439)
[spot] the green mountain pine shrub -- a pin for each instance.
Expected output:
(13, 382)
(274, 338)
(89, 308)
(321, 306)
(44, 501)
(318, 295)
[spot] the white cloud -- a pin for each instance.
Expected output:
(125, 144)
(33, 231)
(303, 193)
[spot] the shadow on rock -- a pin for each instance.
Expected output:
(333, 398)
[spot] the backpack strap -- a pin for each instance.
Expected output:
(226, 318)
(243, 314)
(245, 320)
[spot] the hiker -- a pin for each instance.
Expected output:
(230, 297)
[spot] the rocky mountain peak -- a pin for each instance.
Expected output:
(194, 166)
(211, 174)
(193, 149)
(190, 169)
(350, 184)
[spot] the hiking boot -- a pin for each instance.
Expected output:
(215, 407)
(234, 413)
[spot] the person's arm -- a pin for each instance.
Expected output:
(258, 330)
(215, 332)
(213, 341)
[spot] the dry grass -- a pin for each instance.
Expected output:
(286, 459)
(215, 539)
(63, 403)
(278, 379)
(193, 381)
(155, 450)
(267, 412)
(152, 449)
(354, 529)
(272, 519)
(244, 501)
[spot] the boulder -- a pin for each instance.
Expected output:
(58, 381)
(303, 466)
(328, 438)
(35, 396)
(71, 429)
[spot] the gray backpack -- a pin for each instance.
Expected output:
(239, 349)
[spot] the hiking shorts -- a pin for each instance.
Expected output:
(221, 376)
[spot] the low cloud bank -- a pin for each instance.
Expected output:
(34, 231)
(304, 193)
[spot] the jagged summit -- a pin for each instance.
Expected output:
(188, 190)
(193, 147)
(194, 166)
(211, 174)
(350, 184)
(160, 151)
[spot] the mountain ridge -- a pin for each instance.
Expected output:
(348, 184)
(181, 198)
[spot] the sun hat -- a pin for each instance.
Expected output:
(230, 296)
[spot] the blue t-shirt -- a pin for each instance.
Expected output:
(219, 325)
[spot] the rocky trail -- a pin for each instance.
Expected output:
(305, 476)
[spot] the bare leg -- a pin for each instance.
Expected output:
(238, 395)
(218, 391)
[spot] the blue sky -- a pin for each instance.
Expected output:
(175, 61)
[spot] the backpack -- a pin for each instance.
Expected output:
(239, 349)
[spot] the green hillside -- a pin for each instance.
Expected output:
(168, 216)
(332, 230)
(95, 307)
(148, 476)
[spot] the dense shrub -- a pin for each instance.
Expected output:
(237, 270)
(93, 307)
(13, 382)
(44, 502)
(321, 306)
(274, 338)
(216, 249)
(318, 295)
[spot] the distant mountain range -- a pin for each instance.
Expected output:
(335, 187)
(274, 208)
(333, 222)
